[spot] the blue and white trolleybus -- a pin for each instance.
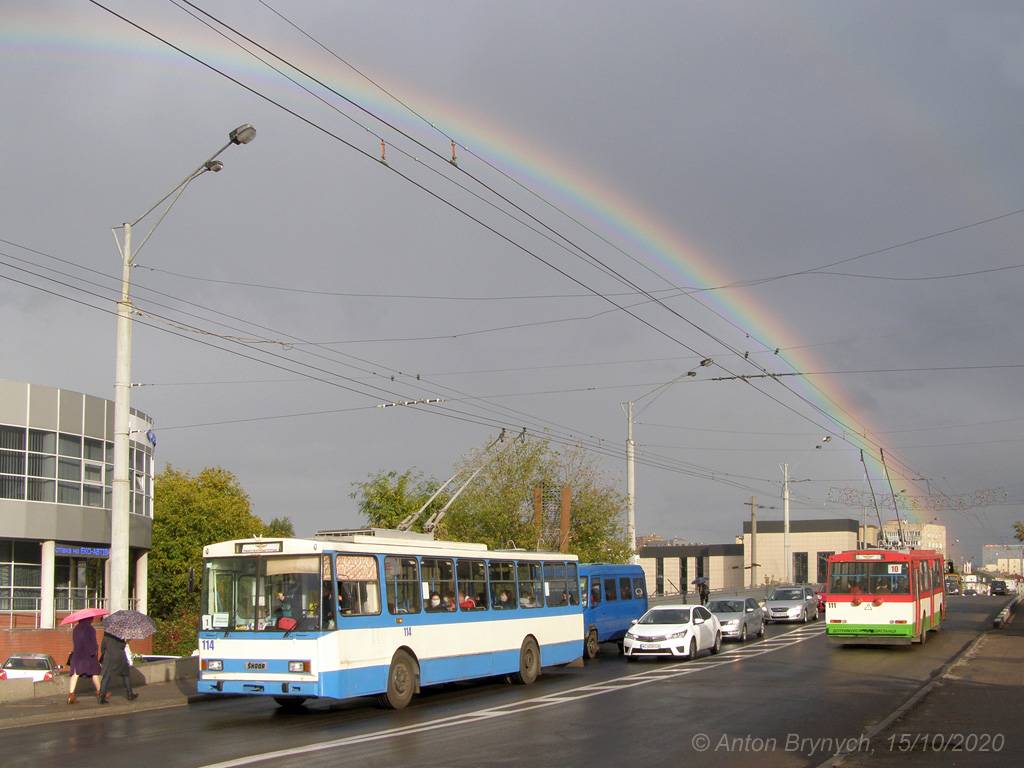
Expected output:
(375, 612)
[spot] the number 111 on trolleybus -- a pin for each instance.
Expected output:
(380, 613)
(884, 597)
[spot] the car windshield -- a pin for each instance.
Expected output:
(19, 662)
(726, 606)
(666, 616)
(786, 594)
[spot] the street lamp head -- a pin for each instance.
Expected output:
(243, 134)
(214, 165)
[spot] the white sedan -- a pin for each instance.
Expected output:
(34, 666)
(673, 631)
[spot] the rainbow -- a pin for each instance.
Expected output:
(90, 32)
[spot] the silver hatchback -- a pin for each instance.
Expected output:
(791, 604)
(740, 617)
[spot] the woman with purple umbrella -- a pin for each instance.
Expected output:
(83, 660)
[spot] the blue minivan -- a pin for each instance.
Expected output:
(613, 597)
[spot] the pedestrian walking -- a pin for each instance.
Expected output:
(114, 660)
(84, 658)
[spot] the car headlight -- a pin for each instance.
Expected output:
(678, 635)
(730, 623)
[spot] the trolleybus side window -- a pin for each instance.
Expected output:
(358, 585)
(403, 584)
(438, 576)
(472, 584)
(555, 584)
(531, 586)
(503, 585)
(572, 576)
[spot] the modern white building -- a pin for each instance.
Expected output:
(56, 476)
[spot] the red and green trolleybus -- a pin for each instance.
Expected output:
(884, 597)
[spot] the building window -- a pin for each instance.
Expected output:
(823, 565)
(20, 574)
(69, 469)
(799, 567)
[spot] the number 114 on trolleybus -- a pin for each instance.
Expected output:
(380, 613)
(884, 597)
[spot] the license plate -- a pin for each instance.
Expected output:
(649, 646)
(256, 666)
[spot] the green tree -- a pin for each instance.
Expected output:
(189, 513)
(387, 498)
(279, 528)
(1018, 528)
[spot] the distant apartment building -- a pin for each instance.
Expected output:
(916, 535)
(1003, 558)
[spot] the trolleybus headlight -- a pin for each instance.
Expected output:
(213, 665)
(298, 666)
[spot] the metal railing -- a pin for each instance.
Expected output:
(26, 612)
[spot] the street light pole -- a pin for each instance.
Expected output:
(121, 496)
(630, 494)
(785, 510)
(631, 455)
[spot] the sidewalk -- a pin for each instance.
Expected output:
(971, 716)
(52, 709)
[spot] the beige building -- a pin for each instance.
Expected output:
(671, 569)
(810, 544)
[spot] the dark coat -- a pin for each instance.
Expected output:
(84, 656)
(115, 661)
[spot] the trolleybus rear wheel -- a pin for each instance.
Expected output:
(401, 682)
(529, 663)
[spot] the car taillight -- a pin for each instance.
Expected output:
(3, 675)
(48, 676)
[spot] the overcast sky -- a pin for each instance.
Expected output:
(826, 192)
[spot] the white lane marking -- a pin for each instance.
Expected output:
(643, 677)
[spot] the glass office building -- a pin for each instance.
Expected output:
(56, 476)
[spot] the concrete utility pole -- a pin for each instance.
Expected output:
(753, 542)
(121, 486)
(785, 509)
(631, 454)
